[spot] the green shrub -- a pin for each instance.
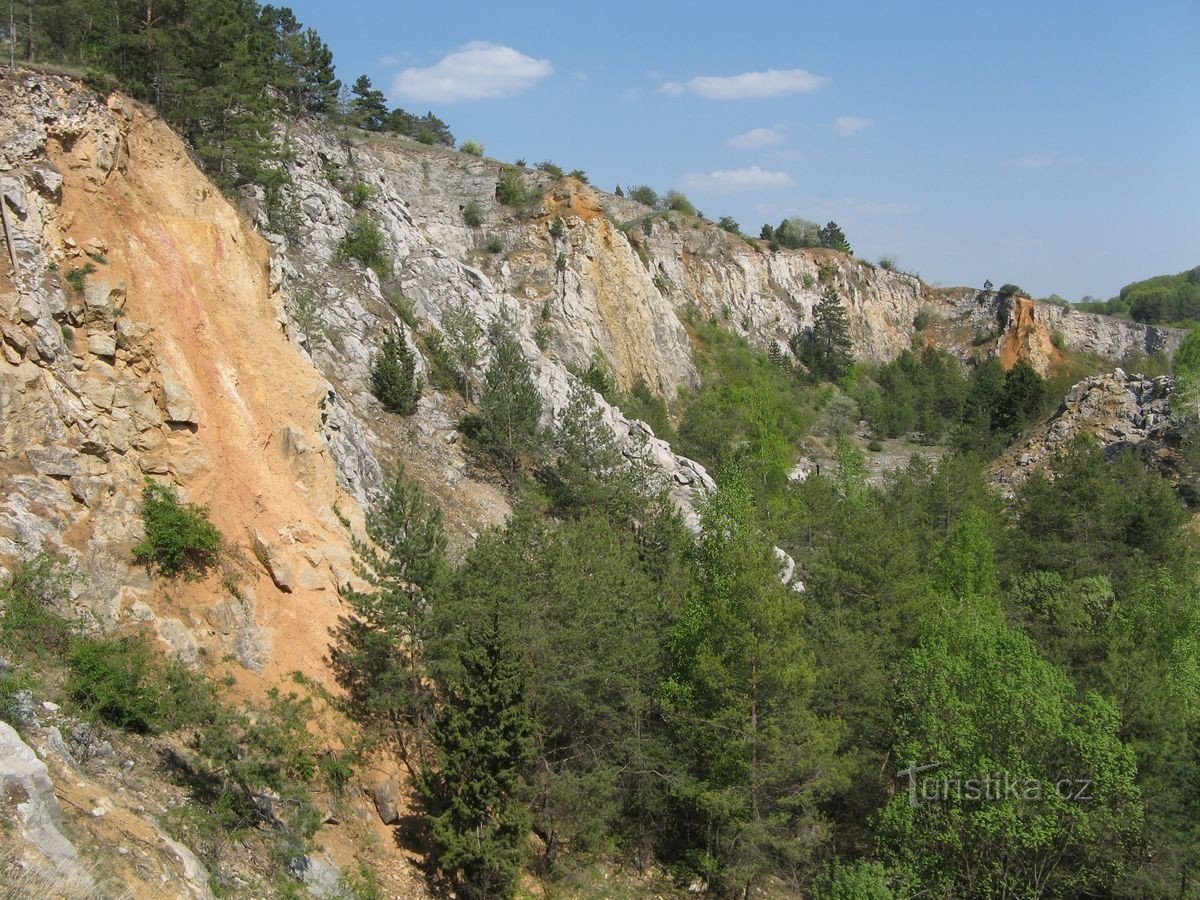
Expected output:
(77, 277)
(365, 242)
(678, 201)
(402, 306)
(887, 262)
(179, 538)
(471, 148)
(101, 82)
(644, 194)
(727, 223)
(558, 228)
(360, 193)
(550, 169)
(117, 681)
(598, 376)
(473, 214)
(578, 175)
(28, 596)
(393, 376)
(1059, 340)
(643, 404)
(450, 365)
(510, 187)
(874, 445)
(923, 319)
(748, 410)
(494, 245)
(305, 312)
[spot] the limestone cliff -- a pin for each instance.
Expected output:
(972, 323)
(142, 337)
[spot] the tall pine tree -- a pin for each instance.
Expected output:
(476, 812)
(825, 349)
(510, 408)
(738, 703)
(379, 654)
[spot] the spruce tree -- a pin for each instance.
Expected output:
(393, 376)
(379, 654)
(509, 407)
(477, 818)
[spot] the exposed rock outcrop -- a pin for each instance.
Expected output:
(27, 799)
(971, 323)
(1116, 409)
(141, 337)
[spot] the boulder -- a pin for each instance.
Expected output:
(278, 566)
(386, 797)
(318, 874)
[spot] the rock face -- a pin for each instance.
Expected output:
(1117, 409)
(27, 798)
(970, 322)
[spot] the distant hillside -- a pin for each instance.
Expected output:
(1163, 298)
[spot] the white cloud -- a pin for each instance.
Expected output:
(848, 126)
(475, 71)
(1043, 160)
(749, 85)
(733, 180)
(757, 139)
(388, 61)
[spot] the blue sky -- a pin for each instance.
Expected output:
(1053, 144)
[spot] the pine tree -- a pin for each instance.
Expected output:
(826, 349)
(476, 814)
(1020, 397)
(510, 407)
(369, 107)
(393, 376)
(379, 654)
(463, 334)
(832, 237)
(590, 473)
